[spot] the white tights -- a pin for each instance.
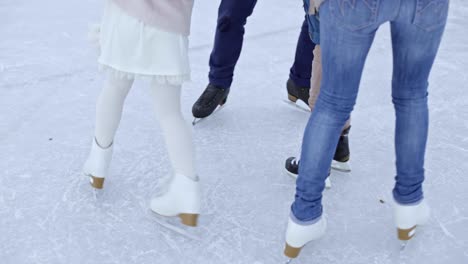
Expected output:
(166, 98)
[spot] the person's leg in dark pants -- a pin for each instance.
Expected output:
(298, 84)
(300, 72)
(232, 17)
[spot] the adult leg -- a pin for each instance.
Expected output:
(300, 71)
(414, 49)
(342, 69)
(229, 37)
(232, 17)
(342, 153)
(316, 81)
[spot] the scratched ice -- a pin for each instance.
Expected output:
(49, 214)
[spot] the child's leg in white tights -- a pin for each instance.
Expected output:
(177, 132)
(108, 113)
(109, 109)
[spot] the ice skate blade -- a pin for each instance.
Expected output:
(341, 166)
(291, 252)
(197, 120)
(406, 234)
(186, 219)
(189, 219)
(297, 105)
(96, 182)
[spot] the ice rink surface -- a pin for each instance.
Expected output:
(49, 214)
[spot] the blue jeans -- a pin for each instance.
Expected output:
(232, 17)
(313, 23)
(347, 33)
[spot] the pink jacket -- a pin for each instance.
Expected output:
(169, 15)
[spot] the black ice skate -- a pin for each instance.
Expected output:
(292, 169)
(211, 98)
(296, 92)
(341, 158)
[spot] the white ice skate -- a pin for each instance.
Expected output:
(297, 236)
(97, 165)
(182, 199)
(408, 217)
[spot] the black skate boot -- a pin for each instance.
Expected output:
(296, 92)
(292, 169)
(209, 101)
(341, 158)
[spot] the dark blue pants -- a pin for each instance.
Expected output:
(232, 17)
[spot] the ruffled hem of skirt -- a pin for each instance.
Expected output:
(161, 79)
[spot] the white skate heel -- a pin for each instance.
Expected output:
(182, 199)
(408, 217)
(297, 236)
(97, 165)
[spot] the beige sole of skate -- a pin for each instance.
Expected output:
(97, 183)
(406, 234)
(292, 98)
(189, 219)
(291, 252)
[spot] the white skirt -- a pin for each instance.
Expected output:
(130, 48)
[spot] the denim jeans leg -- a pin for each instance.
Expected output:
(414, 51)
(343, 56)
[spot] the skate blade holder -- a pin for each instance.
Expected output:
(96, 182)
(405, 235)
(187, 219)
(291, 252)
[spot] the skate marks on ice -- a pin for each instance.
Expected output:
(170, 224)
(221, 232)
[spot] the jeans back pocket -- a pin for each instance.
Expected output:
(355, 14)
(431, 14)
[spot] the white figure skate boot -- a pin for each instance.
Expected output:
(297, 236)
(97, 165)
(408, 217)
(182, 199)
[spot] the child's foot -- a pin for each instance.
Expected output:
(182, 199)
(97, 165)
